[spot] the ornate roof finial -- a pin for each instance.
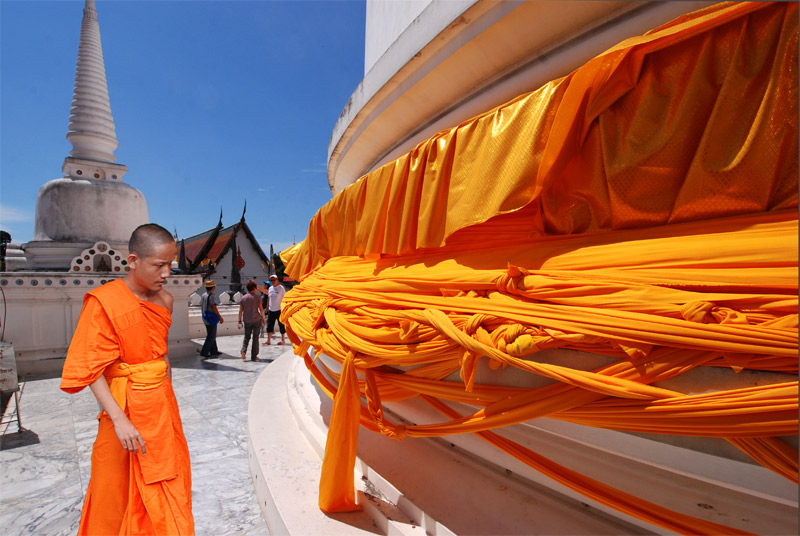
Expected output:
(91, 126)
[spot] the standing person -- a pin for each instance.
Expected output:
(141, 476)
(276, 293)
(250, 307)
(264, 291)
(209, 304)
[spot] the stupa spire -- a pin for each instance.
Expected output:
(91, 125)
(90, 203)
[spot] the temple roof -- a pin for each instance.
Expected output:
(196, 252)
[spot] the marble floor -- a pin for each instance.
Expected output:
(45, 469)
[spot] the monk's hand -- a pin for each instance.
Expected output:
(128, 435)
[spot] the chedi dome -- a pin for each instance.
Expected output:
(90, 202)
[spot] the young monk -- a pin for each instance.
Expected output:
(140, 481)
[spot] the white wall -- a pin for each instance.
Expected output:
(386, 20)
(42, 312)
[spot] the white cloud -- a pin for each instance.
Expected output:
(13, 214)
(316, 168)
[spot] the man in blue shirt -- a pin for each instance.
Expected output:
(209, 305)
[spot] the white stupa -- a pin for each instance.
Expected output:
(90, 203)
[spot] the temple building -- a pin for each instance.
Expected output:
(230, 256)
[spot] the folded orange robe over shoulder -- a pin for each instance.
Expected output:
(125, 339)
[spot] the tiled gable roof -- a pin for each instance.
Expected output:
(212, 245)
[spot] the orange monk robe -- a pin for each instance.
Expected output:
(125, 339)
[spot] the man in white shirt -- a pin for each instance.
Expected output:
(276, 293)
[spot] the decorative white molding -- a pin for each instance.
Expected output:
(101, 258)
(79, 168)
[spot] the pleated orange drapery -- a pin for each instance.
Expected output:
(642, 208)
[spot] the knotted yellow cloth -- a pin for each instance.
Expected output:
(140, 376)
(642, 209)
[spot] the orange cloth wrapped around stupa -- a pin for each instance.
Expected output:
(125, 338)
(642, 208)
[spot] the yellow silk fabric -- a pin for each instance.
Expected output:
(642, 208)
(667, 127)
(140, 376)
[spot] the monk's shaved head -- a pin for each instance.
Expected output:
(147, 238)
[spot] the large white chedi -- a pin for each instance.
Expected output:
(86, 217)
(90, 202)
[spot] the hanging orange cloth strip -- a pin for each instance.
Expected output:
(340, 447)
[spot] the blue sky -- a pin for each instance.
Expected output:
(214, 102)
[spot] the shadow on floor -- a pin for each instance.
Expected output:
(211, 363)
(13, 439)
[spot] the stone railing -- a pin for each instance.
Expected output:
(228, 307)
(230, 313)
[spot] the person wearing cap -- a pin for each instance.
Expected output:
(275, 296)
(210, 302)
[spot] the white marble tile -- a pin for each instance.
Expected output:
(50, 516)
(36, 475)
(47, 500)
(236, 433)
(231, 508)
(51, 418)
(209, 447)
(190, 417)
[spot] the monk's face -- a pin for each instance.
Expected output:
(151, 272)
